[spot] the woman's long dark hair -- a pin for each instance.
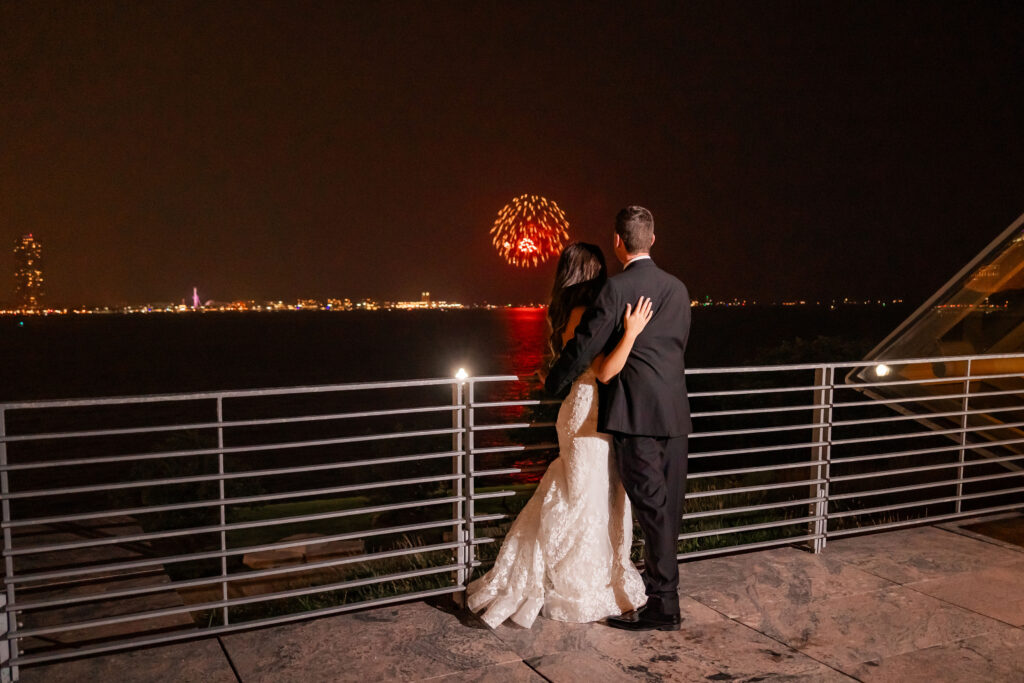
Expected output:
(580, 275)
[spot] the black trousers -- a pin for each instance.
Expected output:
(653, 472)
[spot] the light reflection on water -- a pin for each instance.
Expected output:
(526, 330)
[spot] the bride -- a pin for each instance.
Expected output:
(567, 554)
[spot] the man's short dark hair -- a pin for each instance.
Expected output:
(635, 226)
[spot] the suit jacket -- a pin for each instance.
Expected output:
(648, 397)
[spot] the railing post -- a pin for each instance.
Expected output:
(963, 437)
(458, 507)
(10, 647)
(824, 378)
(223, 516)
(468, 468)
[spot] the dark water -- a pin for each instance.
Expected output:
(107, 355)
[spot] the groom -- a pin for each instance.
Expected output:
(645, 407)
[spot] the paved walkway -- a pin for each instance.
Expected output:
(923, 604)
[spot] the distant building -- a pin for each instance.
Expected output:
(339, 304)
(28, 273)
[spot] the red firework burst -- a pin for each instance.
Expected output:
(529, 230)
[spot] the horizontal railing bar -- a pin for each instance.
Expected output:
(758, 411)
(24, 660)
(924, 468)
(697, 554)
(232, 602)
(970, 445)
(227, 476)
(756, 449)
(226, 450)
(21, 495)
(192, 505)
(754, 392)
(362, 438)
(229, 527)
(848, 364)
(929, 485)
(495, 473)
(745, 528)
(754, 470)
(488, 518)
(925, 397)
(918, 521)
(149, 429)
(749, 508)
(760, 430)
(500, 378)
(920, 503)
(749, 489)
(250, 393)
(918, 416)
(216, 554)
(514, 404)
(922, 382)
(886, 401)
(510, 425)
(494, 494)
(930, 432)
(238, 576)
(513, 449)
(492, 427)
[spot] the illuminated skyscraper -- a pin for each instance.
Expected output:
(28, 273)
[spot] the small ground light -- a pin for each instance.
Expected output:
(461, 374)
(882, 370)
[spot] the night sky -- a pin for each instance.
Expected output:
(363, 149)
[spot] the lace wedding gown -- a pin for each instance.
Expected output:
(567, 554)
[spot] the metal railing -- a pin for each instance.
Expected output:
(152, 519)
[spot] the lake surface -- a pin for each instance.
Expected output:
(108, 355)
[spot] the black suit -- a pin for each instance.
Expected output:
(645, 408)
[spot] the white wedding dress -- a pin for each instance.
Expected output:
(567, 554)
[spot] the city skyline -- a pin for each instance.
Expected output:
(785, 150)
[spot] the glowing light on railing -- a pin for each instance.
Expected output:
(882, 370)
(461, 374)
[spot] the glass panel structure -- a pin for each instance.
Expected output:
(979, 312)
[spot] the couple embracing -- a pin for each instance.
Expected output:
(622, 438)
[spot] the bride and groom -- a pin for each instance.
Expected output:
(622, 437)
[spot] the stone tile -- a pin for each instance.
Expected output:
(548, 636)
(843, 632)
(997, 592)
(918, 554)
(510, 672)
(992, 657)
(409, 641)
(200, 661)
(717, 651)
(744, 585)
(581, 666)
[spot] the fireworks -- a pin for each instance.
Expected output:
(529, 230)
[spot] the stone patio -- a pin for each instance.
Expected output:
(924, 604)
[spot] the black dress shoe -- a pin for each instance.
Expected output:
(647, 618)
